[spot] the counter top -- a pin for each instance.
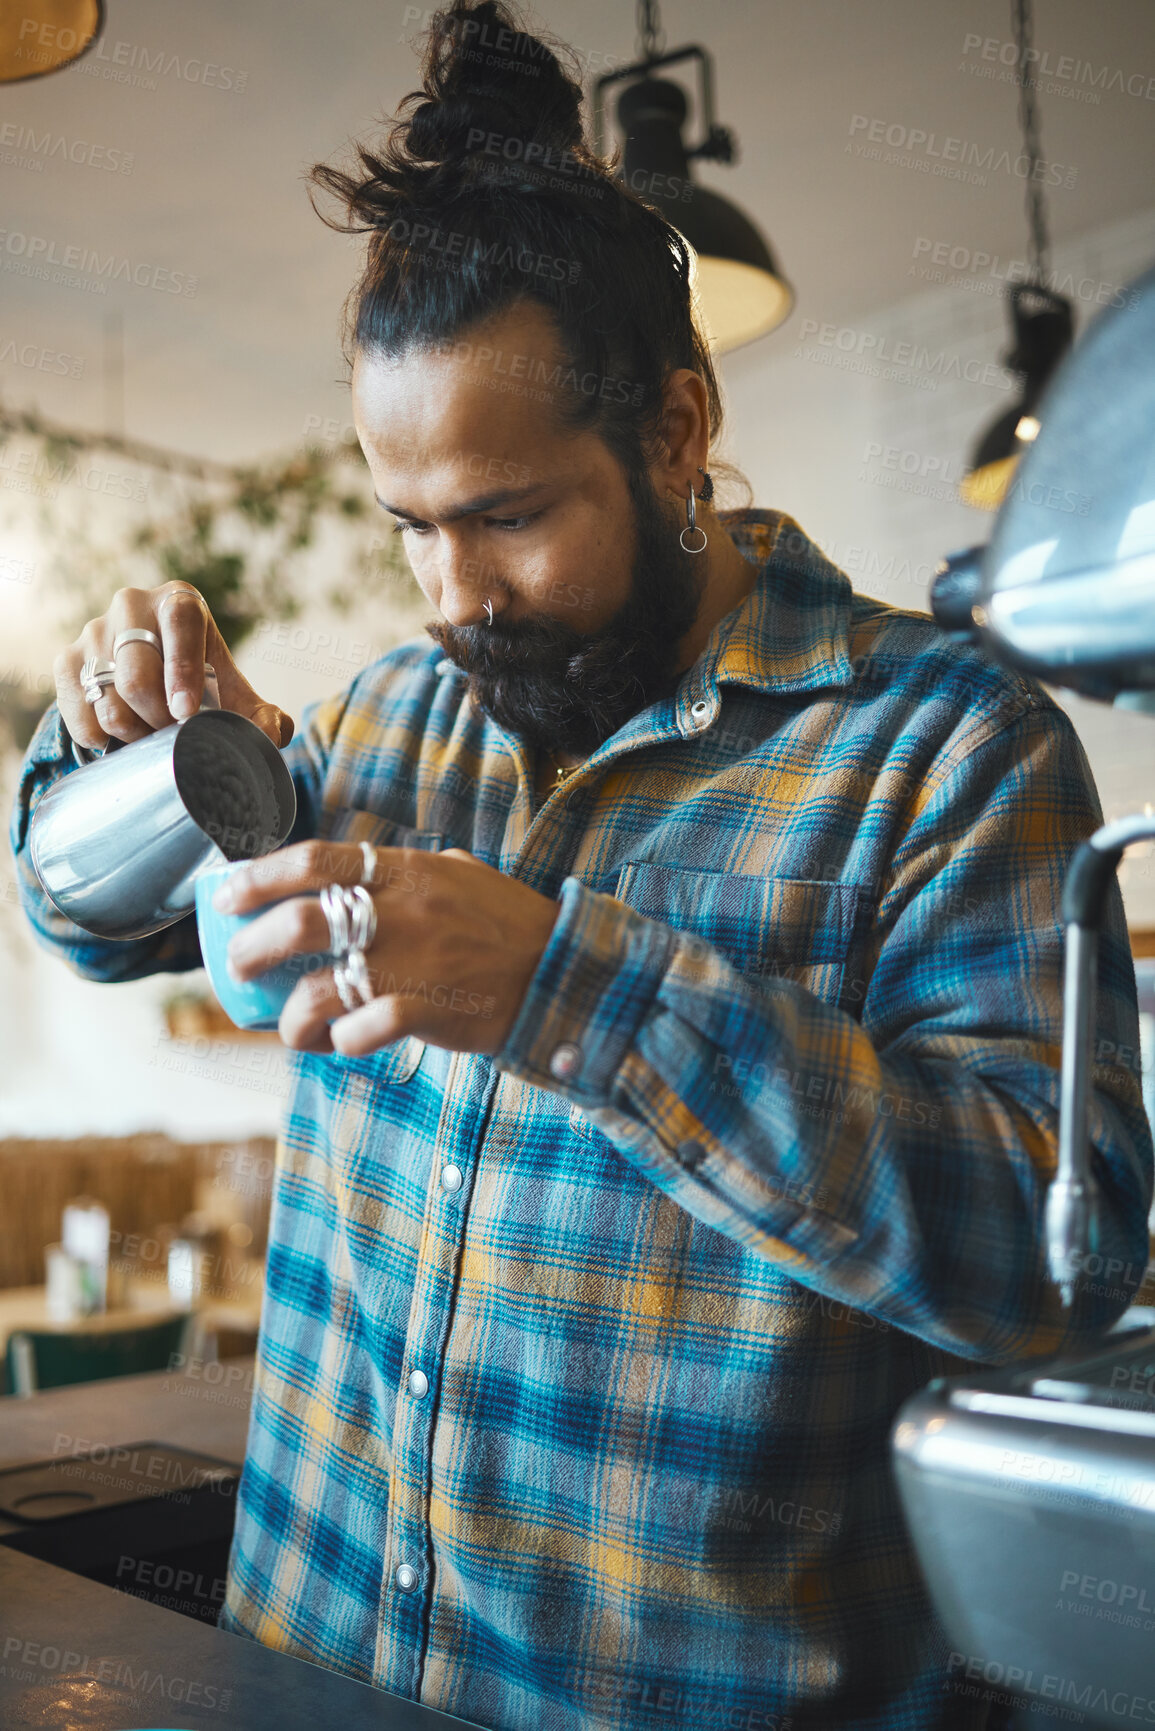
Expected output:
(76, 1656)
(205, 1408)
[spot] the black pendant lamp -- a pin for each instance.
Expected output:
(1042, 322)
(740, 289)
(42, 36)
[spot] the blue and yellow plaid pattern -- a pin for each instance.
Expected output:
(577, 1366)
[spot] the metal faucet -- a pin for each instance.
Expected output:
(1072, 1200)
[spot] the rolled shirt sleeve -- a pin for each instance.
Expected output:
(897, 1162)
(176, 948)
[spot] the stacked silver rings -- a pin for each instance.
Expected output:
(352, 920)
(96, 673)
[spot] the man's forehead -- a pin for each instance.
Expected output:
(427, 404)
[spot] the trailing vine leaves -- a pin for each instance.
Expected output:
(241, 534)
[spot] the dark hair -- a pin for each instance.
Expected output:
(484, 194)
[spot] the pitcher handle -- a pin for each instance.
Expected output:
(210, 700)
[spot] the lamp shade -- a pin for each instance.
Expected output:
(42, 36)
(741, 290)
(1043, 330)
(996, 458)
(1068, 580)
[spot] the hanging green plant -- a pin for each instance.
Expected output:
(237, 533)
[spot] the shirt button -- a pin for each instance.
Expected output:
(418, 1383)
(451, 1177)
(691, 1153)
(699, 709)
(406, 1578)
(565, 1060)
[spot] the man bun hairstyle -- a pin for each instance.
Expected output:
(484, 194)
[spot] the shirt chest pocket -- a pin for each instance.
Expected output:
(769, 928)
(352, 1110)
(386, 1066)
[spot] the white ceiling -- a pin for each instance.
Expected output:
(215, 191)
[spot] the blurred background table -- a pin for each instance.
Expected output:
(146, 1299)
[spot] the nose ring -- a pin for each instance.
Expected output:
(489, 608)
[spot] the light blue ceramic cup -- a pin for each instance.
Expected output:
(255, 1003)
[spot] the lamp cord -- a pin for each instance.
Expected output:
(649, 30)
(1040, 249)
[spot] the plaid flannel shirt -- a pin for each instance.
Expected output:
(577, 1365)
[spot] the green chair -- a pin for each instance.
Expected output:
(50, 1358)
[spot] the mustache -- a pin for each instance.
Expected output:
(487, 649)
(562, 669)
(555, 686)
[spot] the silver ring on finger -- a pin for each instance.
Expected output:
(94, 690)
(369, 869)
(95, 667)
(357, 975)
(337, 915)
(136, 635)
(363, 917)
(344, 990)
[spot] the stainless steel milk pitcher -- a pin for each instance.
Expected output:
(118, 844)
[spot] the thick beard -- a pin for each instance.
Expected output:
(565, 691)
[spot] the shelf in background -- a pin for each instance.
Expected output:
(190, 1018)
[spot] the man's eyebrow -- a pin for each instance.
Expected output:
(488, 502)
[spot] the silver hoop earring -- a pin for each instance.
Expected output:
(692, 526)
(488, 605)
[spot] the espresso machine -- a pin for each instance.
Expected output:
(1030, 1491)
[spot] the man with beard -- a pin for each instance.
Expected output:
(573, 512)
(701, 1099)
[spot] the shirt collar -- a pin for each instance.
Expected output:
(789, 635)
